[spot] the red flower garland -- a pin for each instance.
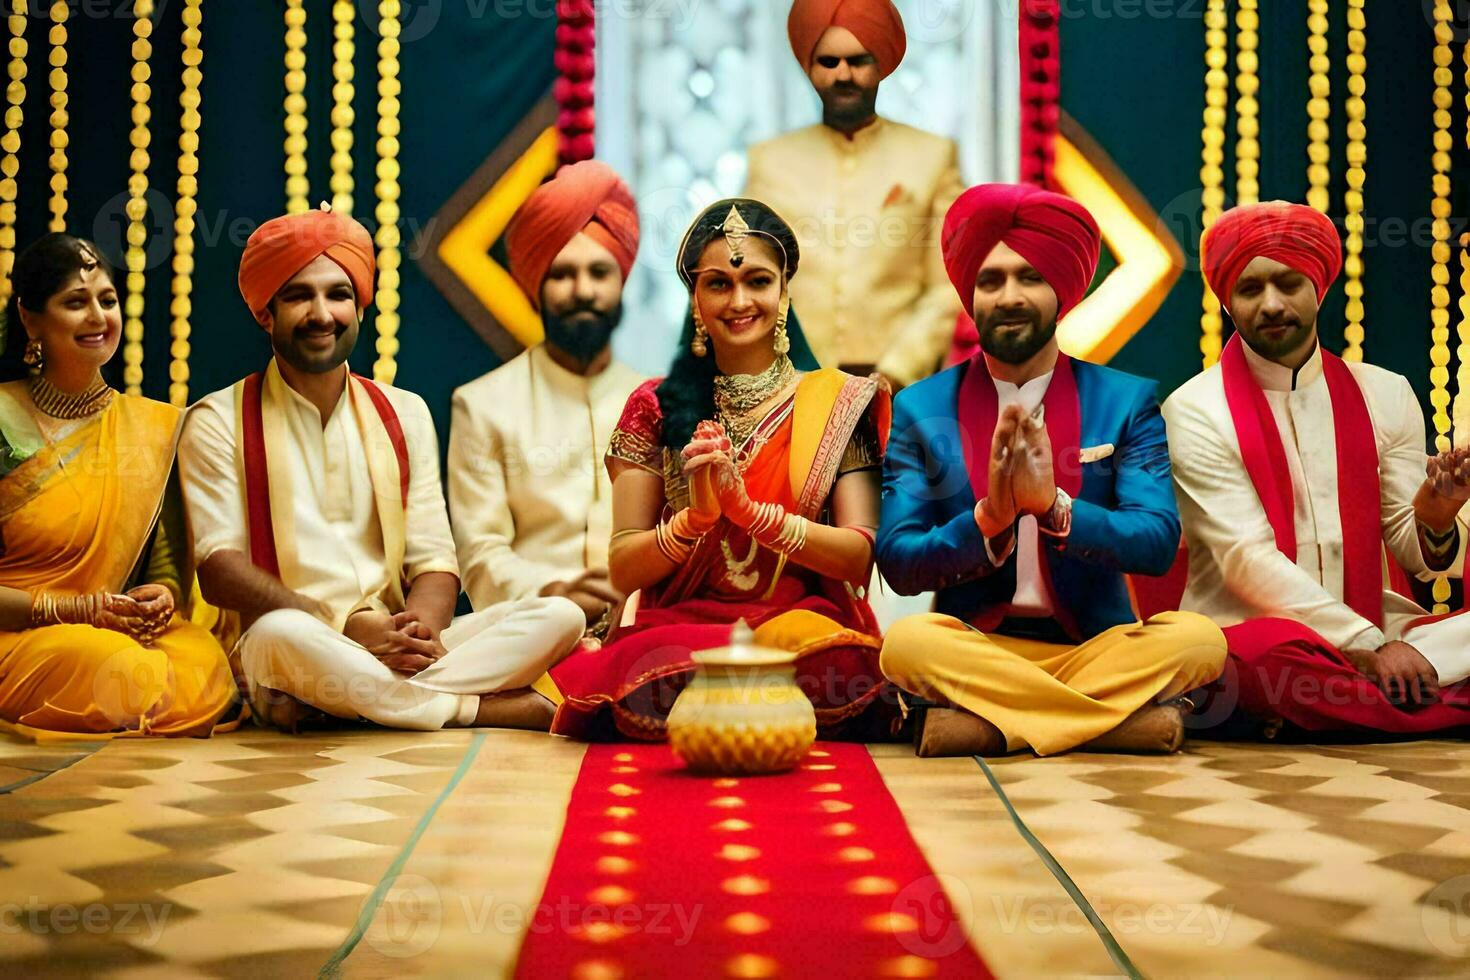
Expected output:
(1041, 89)
(575, 62)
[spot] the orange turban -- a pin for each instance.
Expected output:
(284, 246)
(1054, 233)
(585, 197)
(875, 23)
(1293, 234)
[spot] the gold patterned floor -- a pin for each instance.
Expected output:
(376, 854)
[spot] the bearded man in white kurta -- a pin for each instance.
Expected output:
(866, 196)
(1304, 493)
(314, 499)
(530, 500)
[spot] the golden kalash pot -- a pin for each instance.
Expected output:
(742, 713)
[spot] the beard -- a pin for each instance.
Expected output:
(1014, 338)
(848, 113)
(1275, 347)
(582, 332)
(288, 347)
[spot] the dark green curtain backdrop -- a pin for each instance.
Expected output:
(468, 77)
(1136, 82)
(1132, 75)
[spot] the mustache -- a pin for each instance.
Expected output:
(1005, 319)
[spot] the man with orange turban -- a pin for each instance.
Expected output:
(1022, 486)
(866, 197)
(1298, 473)
(313, 496)
(529, 496)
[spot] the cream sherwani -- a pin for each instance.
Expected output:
(867, 212)
(1236, 572)
(340, 563)
(530, 498)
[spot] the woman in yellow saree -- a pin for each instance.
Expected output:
(745, 486)
(84, 475)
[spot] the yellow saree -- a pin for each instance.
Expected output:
(78, 516)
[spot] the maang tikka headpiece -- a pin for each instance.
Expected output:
(736, 230)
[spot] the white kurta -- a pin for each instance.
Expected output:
(1236, 572)
(1031, 599)
(867, 212)
(530, 497)
(339, 546)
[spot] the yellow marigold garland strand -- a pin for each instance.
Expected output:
(343, 93)
(15, 97)
(188, 188)
(298, 188)
(135, 257)
(1247, 108)
(388, 237)
(1356, 111)
(1319, 109)
(1212, 174)
(1439, 315)
(59, 14)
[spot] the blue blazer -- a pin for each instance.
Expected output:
(1124, 520)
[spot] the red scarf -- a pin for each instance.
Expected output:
(978, 412)
(260, 528)
(1358, 491)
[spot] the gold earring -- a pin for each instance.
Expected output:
(700, 344)
(34, 357)
(782, 343)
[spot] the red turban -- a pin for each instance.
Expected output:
(584, 197)
(875, 23)
(284, 246)
(1051, 231)
(1292, 234)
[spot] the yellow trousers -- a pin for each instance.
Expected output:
(1049, 696)
(80, 680)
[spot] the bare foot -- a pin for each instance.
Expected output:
(954, 731)
(522, 708)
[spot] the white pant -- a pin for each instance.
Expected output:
(504, 647)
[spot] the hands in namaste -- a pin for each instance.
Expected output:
(1022, 474)
(715, 484)
(401, 641)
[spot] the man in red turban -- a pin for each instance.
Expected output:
(531, 500)
(318, 519)
(1022, 487)
(865, 196)
(1297, 473)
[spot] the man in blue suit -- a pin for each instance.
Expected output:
(1021, 487)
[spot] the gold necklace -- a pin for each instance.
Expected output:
(738, 395)
(52, 401)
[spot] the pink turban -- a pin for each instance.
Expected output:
(1293, 234)
(875, 23)
(1051, 231)
(284, 246)
(584, 197)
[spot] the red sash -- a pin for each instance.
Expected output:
(1358, 491)
(257, 475)
(978, 412)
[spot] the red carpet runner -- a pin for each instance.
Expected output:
(663, 874)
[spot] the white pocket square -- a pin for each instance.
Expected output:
(1094, 453)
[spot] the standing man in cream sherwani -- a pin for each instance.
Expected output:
(866, 196)
(314, 499)
(529, 496)
(1298, 475)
